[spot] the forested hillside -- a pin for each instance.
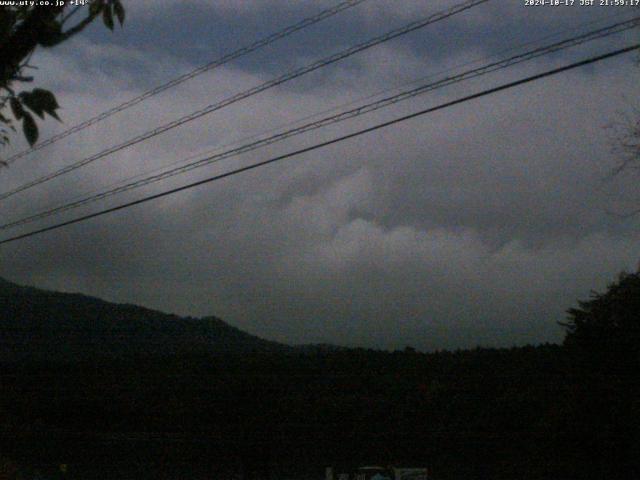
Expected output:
(52, 326)
(526, 412)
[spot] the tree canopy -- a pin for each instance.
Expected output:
(603, 347)
(606, 328)
(23, 28)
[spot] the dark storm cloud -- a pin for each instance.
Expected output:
(215, 27)
(479, 224)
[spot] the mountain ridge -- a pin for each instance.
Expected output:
(44, 324)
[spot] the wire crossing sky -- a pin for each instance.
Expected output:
(285, 32)
(408, 28)
(330, 142)
(479, 225)
(346, 115)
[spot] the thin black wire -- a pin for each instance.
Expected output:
(306, 22)
(329, 142)
(412, 26)
(242, 140)
(368, 108)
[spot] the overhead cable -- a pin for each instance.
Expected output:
(329, 120)
(304, 23)
(412, 26)
(333, 141)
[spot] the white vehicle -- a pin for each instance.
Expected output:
(378, 473)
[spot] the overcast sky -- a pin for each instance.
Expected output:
(477, 225)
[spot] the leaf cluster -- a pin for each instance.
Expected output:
(606, 328)
(38, 101)
(23, 28)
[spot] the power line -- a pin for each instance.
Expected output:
(328, 142)
(239, 141)
(306, 22)
(355, 112)
(410, 27)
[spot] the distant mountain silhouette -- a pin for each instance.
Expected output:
(41, 325)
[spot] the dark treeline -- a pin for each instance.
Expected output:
(543, 412)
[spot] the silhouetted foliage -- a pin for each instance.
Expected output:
(206, 400)
(603, 347)
(606, 328)
(23, 28)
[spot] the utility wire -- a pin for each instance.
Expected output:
(306, 22)
(240, 141)
(317, 146)
(415, 25)
(370, 107)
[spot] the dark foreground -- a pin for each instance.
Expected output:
(518, 413)
(119, 392)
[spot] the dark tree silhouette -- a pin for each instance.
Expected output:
(23, 28)
(603, 341)
(606, 328)
(118, 391)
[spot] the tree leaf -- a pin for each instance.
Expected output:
(47, 101)
(119, 10)
(50, 34)
(7, 22)
(16, 108)
(107, 17)
(41, 101)
(96, 7)
(29, 128)
(31, 102)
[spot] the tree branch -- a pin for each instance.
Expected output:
(26, 37)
